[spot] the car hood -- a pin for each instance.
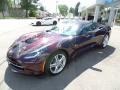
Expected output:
(32, 41)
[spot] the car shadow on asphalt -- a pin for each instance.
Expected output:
(75, 68)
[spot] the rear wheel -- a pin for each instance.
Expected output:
(105, 41)
(56, 63)
(54, 23)
(38, 23)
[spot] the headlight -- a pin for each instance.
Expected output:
(34, 54)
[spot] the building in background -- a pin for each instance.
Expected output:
(102, 10)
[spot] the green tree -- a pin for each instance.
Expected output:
(27, 5)
(76, 9)
(72, 10)
(32, 13)
(63, 10)
(3, 4)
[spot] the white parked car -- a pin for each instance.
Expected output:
(45, 21)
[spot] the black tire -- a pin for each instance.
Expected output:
(102, 44)
(38, 23)
(55, 22)
(50, 59)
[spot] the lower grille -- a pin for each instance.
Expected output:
(14, 61)
(14, 64)
(16, 67)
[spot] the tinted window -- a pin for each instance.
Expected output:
(94, 26)
(89, 27)
(47, 18)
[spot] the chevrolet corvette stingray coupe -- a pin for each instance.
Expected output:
(49, 51)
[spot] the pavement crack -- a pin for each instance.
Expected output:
(2, 62)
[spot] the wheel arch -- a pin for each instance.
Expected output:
(46, 63)
(63, 50)
(54, 21)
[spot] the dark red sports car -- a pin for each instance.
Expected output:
(49, 51)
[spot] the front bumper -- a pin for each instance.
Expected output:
(33, 23)
(27, 68)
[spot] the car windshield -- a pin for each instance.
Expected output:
(66, 29)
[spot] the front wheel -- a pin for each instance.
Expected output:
(38, 23)
(56, 63)
(105, 41)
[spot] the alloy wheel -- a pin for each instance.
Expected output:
(57, 63)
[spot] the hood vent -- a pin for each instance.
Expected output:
(30, 40)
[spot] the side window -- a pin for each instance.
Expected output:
(47, 18)
(94, 26)
(86, 29)
(90, 27)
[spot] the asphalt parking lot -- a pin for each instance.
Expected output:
(95, 69)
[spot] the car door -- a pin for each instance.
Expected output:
(44, 21)
(85, 37)
(47, 21)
